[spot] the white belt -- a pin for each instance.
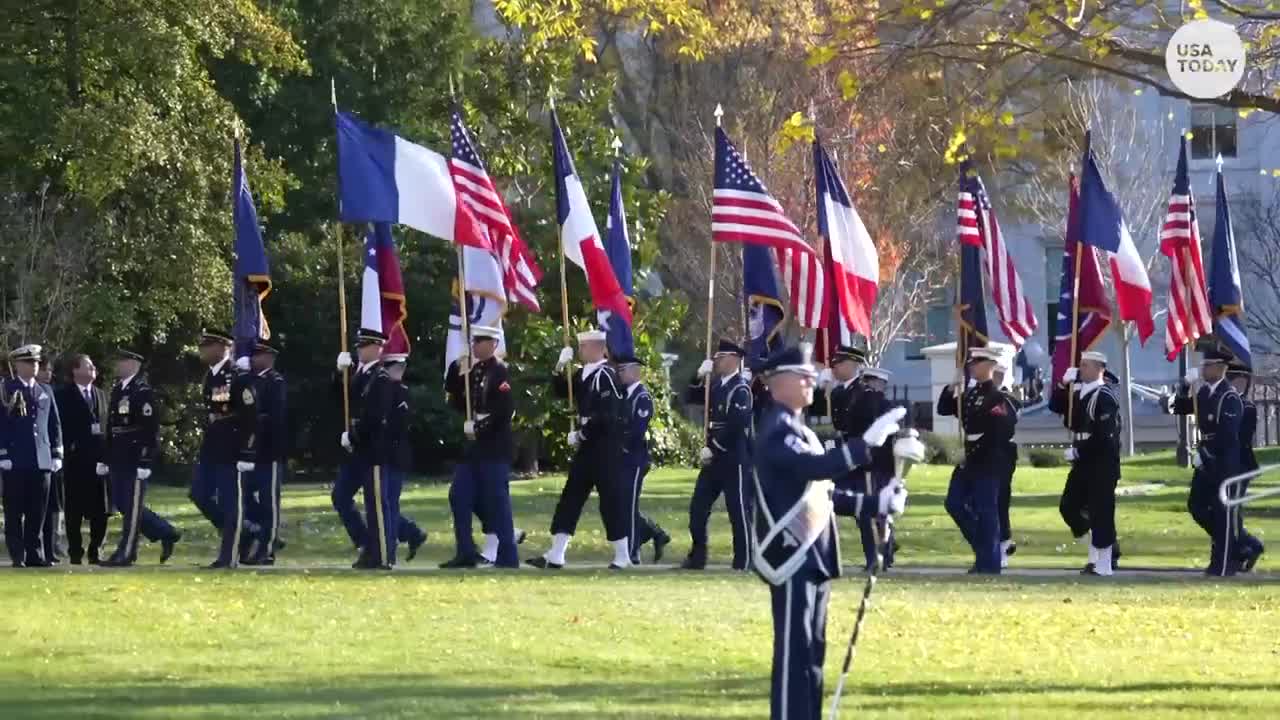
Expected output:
(583, 419)
(974, 436)
(1083, 436)
(481, 416)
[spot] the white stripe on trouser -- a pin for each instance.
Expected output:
(274, 502)
(742, 515)
(786, 651)
(635, 500)
(234, 560)
(1227, 528)
(377, 511)
(132, 538)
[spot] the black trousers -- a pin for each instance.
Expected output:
(56, 505)
(592, 468)
(799, 646)
(88, 499)
(734, 481)
(26, 494)
(1088, 502)
(1216, 519)
(640, 529)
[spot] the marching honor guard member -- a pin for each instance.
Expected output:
(481, 483)
(1219, 412)
(1003, 378)
(596, 444)
(30, 451)
(1088, 502)
(399, 459)
(635, 460)
(82, 407)
(865, 405)
(989, 419)
(52, 532)
(726, 458)
(262, 487)
(1241, 377)
(133, 438)
(215, 351)
(797, 549)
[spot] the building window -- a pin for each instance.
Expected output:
(937, 329)
(1213, 133)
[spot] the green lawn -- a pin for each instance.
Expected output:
(311, 642)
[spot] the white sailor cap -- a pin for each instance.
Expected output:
(485, 332)
(395, 358)
(590, 335)
(876, 372)
(27, 352)
(1094, 355)
(983, 353)
(1005, 363)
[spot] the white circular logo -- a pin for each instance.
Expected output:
(1205, 58)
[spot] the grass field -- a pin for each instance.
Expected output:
(304, 640)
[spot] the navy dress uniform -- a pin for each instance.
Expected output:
(270, 460)
(797, 545)
(229, 455)
(133, 439)
(1250, 548)
(481, 482)
(212, 466)
(989, 419)
(1088, 503)
(30, 450)
(83, 411)
(1219, 412)
(726, 462)
(860, 406)
(55, 550)
(635, 466)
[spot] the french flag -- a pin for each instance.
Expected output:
(579, 238)
(852, 255)
(1102, 226)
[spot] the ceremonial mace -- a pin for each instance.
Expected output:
(907, 451)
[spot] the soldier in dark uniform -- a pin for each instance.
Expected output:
(55, 548)
(356, 471)
(216, 392)
(82, 406)
(399, 456)
(989, 420)
(270, 459)
(596, 444)
(1088, 502)
(726, 458)
(635, 459)
(133, 438)
(842, 384)
(860, 408)
(1250, 547)
(30, 450)
(1003, 378)
(1219, 412)
(797, 548)
(481, 483)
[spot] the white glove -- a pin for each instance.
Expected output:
(574, 438)
(825, 378)
(1196, 460)
(345, 441)
(909, 448)
(242, 364)
(883, 427)
(244, 467)
(6, 465)
(1192, 376)
(566, 357)
(1070, 375)
(144, 473)
(344, 361)
(1070, 455)
(469, 428)
(102, 469)
(829, 445)
(56, 465)
(704, 369)
(705, 455)
(893, 498)
(746, 374)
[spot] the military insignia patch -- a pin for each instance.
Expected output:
(999, 410)
(247, 396)
(146, 409)
(504, 387)
(643, 413)
(123, 409)
(1209, 417)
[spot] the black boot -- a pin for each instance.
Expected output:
(660, 543)
(696, 559)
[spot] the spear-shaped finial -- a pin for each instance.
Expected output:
(617, 146)
(551, 96)
(1218, 160)
(719, 113)
(333, 93)
(451, 93)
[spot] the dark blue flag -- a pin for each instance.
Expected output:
(1225, 294)
(617, 245)
(251, 281)
(763, 290)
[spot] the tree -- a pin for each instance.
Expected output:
(1257, 222)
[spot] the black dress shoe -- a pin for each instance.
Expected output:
(414, 545)
(219, 565)
(520, 536)
(1089, 569)
(694, 561)
(543, 564)
(277, 545)
(457, 562)
(364, 562)
(660, 543)
(114, 562)
(616, 566)
(39, 563)
(19, 564)
(1251, 560)
(77, 561)
(166, 547)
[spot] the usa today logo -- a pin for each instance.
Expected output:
(1205, 58)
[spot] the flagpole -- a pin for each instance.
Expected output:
(564, 308)
(342, 293)
(711, 308)
(1075, 334)
(961, 337)
(463, 313)
(1188, 316)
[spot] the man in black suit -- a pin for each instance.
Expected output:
(83, 408)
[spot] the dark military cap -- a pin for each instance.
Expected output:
(728, 347)
(261, 348)
(215, 337)
(125, 354)
(370, 337)
(1239, 369)
(849, 352)
(1214, 356)
(789, 360)
(627, 359)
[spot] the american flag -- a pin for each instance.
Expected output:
(1189, 316)
(976, 225)
(474, 186)
(743, 211)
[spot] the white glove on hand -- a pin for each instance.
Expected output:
(1196, 460)
(244, 467)
(909, 448)
(144, 473)
(883, 427)
(1070, 375)
(893, 498)
(56, 465)
(705, 455)
(102, 469)
(1070, 455)
(566, 357)
(6, 465)
(344, 361)
(704, 369)
(574, 439)
(829, 445)
(746, 374)
(1192, 376)
(469, 428)
(826, 379)
(242, 364)
(345, 441)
